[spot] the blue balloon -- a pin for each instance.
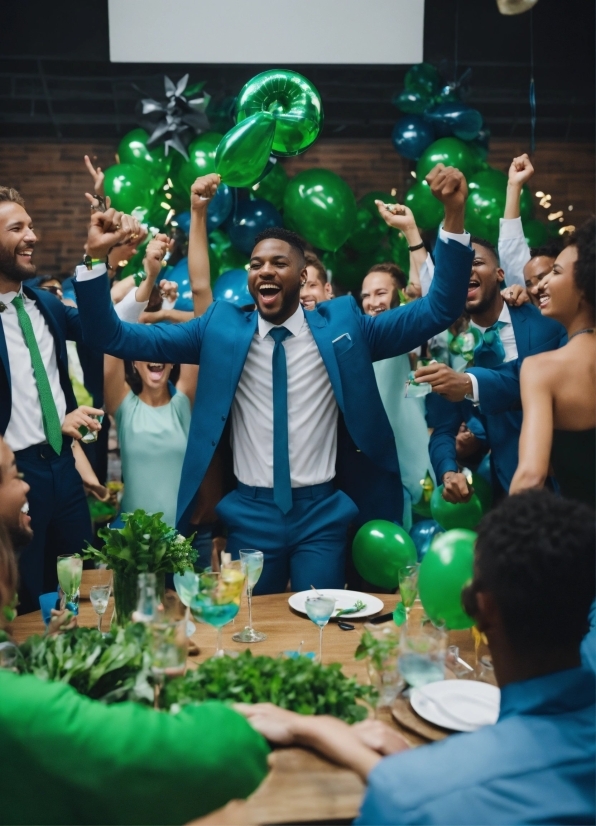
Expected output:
(422, 534)
(483, 469)
(180, 275)
(219, 207)
(233, 286)
(250, 218)
(183, 221)
(411, 136)
(455, 118)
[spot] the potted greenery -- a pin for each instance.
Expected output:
(144, 545)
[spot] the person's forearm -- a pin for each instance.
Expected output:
(198, 262)
(454, 218)
(83, 466)
(335, 740)
(512, 201)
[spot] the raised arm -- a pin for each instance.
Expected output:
(201, 192)
(514, 252)
(536, 439)
(400, 217)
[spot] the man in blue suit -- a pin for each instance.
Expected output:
(312, 447)
(489, 389)
(36, 399)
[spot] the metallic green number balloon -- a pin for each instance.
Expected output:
(243, 152)
(320, 206)
(536, 233)
(486, 203)
(447, 567)
(273, 186)
(380, 549)
(451, 152)
(133, 149)
(428, 211)
(129, 187)
(448, 515)
(294, 103)
(201, 159)
(423, 78)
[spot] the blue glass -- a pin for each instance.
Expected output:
(319, 609)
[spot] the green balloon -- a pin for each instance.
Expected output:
(449, 151)
(486, 203)
(243, 152)
(273, 186)
(133, 149)
(368, 232)
(428, 211)
(412, 103)
(447, 567)
(483, 491)
(227, 256)
(320, 206)
(535, 232)
(128, 187)
(400, 253)
(526, 204)
(380, 549)
(463, 515)
(423, 78)
(294, 103)
(201, 159)
(344, 267)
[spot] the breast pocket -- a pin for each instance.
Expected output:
(342, 345)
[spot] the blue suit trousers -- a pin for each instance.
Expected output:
(306, 546)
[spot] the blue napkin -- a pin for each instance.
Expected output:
(46, 603)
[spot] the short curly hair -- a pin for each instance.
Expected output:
(7, 193)
(291, 238)
(535, 553)
(583, 239)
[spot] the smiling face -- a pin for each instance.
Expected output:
(559, 297)
(153, 374)
(379, 293)
(14, 508)
(277, 271)
(314, 291)
(534, 272)
(17, 241)
(484, 289)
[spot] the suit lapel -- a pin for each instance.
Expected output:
(322, 336)
(521, 331)
(4, 352)
(40, 299)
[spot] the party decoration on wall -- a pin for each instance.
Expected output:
(128, 187)
(201, 159)
(294, 103)
(447, 567)
(321, 207)
(232, 286)
(249, 218)
(380, 549)
(243, 152)
(179, 117)
(422, 534)
(133, 149)
(273, 186)
(411, 136)
(448, 515)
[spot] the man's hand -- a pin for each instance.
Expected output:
(203, 190)
(60, 621)
(79, 418)
(380, 737)
(97, 175)
(445, 381)
(520, 171)
(109, 228)
(397, 216)
(515, 296)
(449, 186)
(455, 488)
(169, 291)
(276, 724)
(154, 255)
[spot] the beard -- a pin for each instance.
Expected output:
(11, 269)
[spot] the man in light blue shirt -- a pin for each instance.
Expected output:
(531, 594)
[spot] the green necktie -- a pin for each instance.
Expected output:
(51, 420)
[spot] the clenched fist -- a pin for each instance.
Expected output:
(203, 190)
(448, 185)
(520, 171)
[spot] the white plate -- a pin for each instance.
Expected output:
(460, 705)
(343, 599)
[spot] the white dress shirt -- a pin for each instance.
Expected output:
(507, 337)
(25, 427)
(514, 252)
(312, 410)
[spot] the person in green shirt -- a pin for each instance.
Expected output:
(67, 759)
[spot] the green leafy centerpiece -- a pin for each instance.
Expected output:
(144, 545)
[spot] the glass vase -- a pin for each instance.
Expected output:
(126, 594)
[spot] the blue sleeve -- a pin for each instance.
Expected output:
(103, 330)
(74, 331)
(405, 328)
(498, 389)
(446, 418)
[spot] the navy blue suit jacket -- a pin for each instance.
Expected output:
(500, 400)
(64, 324)
(367, 465)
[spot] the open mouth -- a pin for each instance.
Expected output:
(156, 369)
(25, 255)
(268, 293)
(543, 300)
(473, 288)
(25, 513)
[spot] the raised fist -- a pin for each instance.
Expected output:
(448, 185)
(520, 171)
(203, 190)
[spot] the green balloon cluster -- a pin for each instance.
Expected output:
(201, 159)
(320, 206)
(447, 567)
(380, 549)
(133, 150)
(129, 187)
(449, 516)
(273, 186)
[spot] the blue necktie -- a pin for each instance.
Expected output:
(282, 485)
(490, 352)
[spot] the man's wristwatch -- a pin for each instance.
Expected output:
(91, 262)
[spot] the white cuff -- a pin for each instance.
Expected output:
(473, 396)
(510, 228)
(426, 273)
(83, 274)
(463, 237)
(129, 309)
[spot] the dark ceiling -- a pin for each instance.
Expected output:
(56, 80)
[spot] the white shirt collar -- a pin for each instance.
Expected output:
(6, 298)
(505, 317)
(293, 323)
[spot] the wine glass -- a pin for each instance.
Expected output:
(252, 565)
(217, 600)
(70, 570)
(408, 586)
(187, 585)
(99, 596)
(168, 653)
(319, 609)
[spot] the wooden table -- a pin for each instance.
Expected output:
(301, 786)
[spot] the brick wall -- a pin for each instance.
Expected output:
(52, 178)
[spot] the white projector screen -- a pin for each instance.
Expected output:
(274, 32)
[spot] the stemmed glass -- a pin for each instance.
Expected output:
(252, 565)
(99, 596)
(70, 570)
(319, 609)
(408, 586)
(168, 653)
(187, 585)
(217, 600)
